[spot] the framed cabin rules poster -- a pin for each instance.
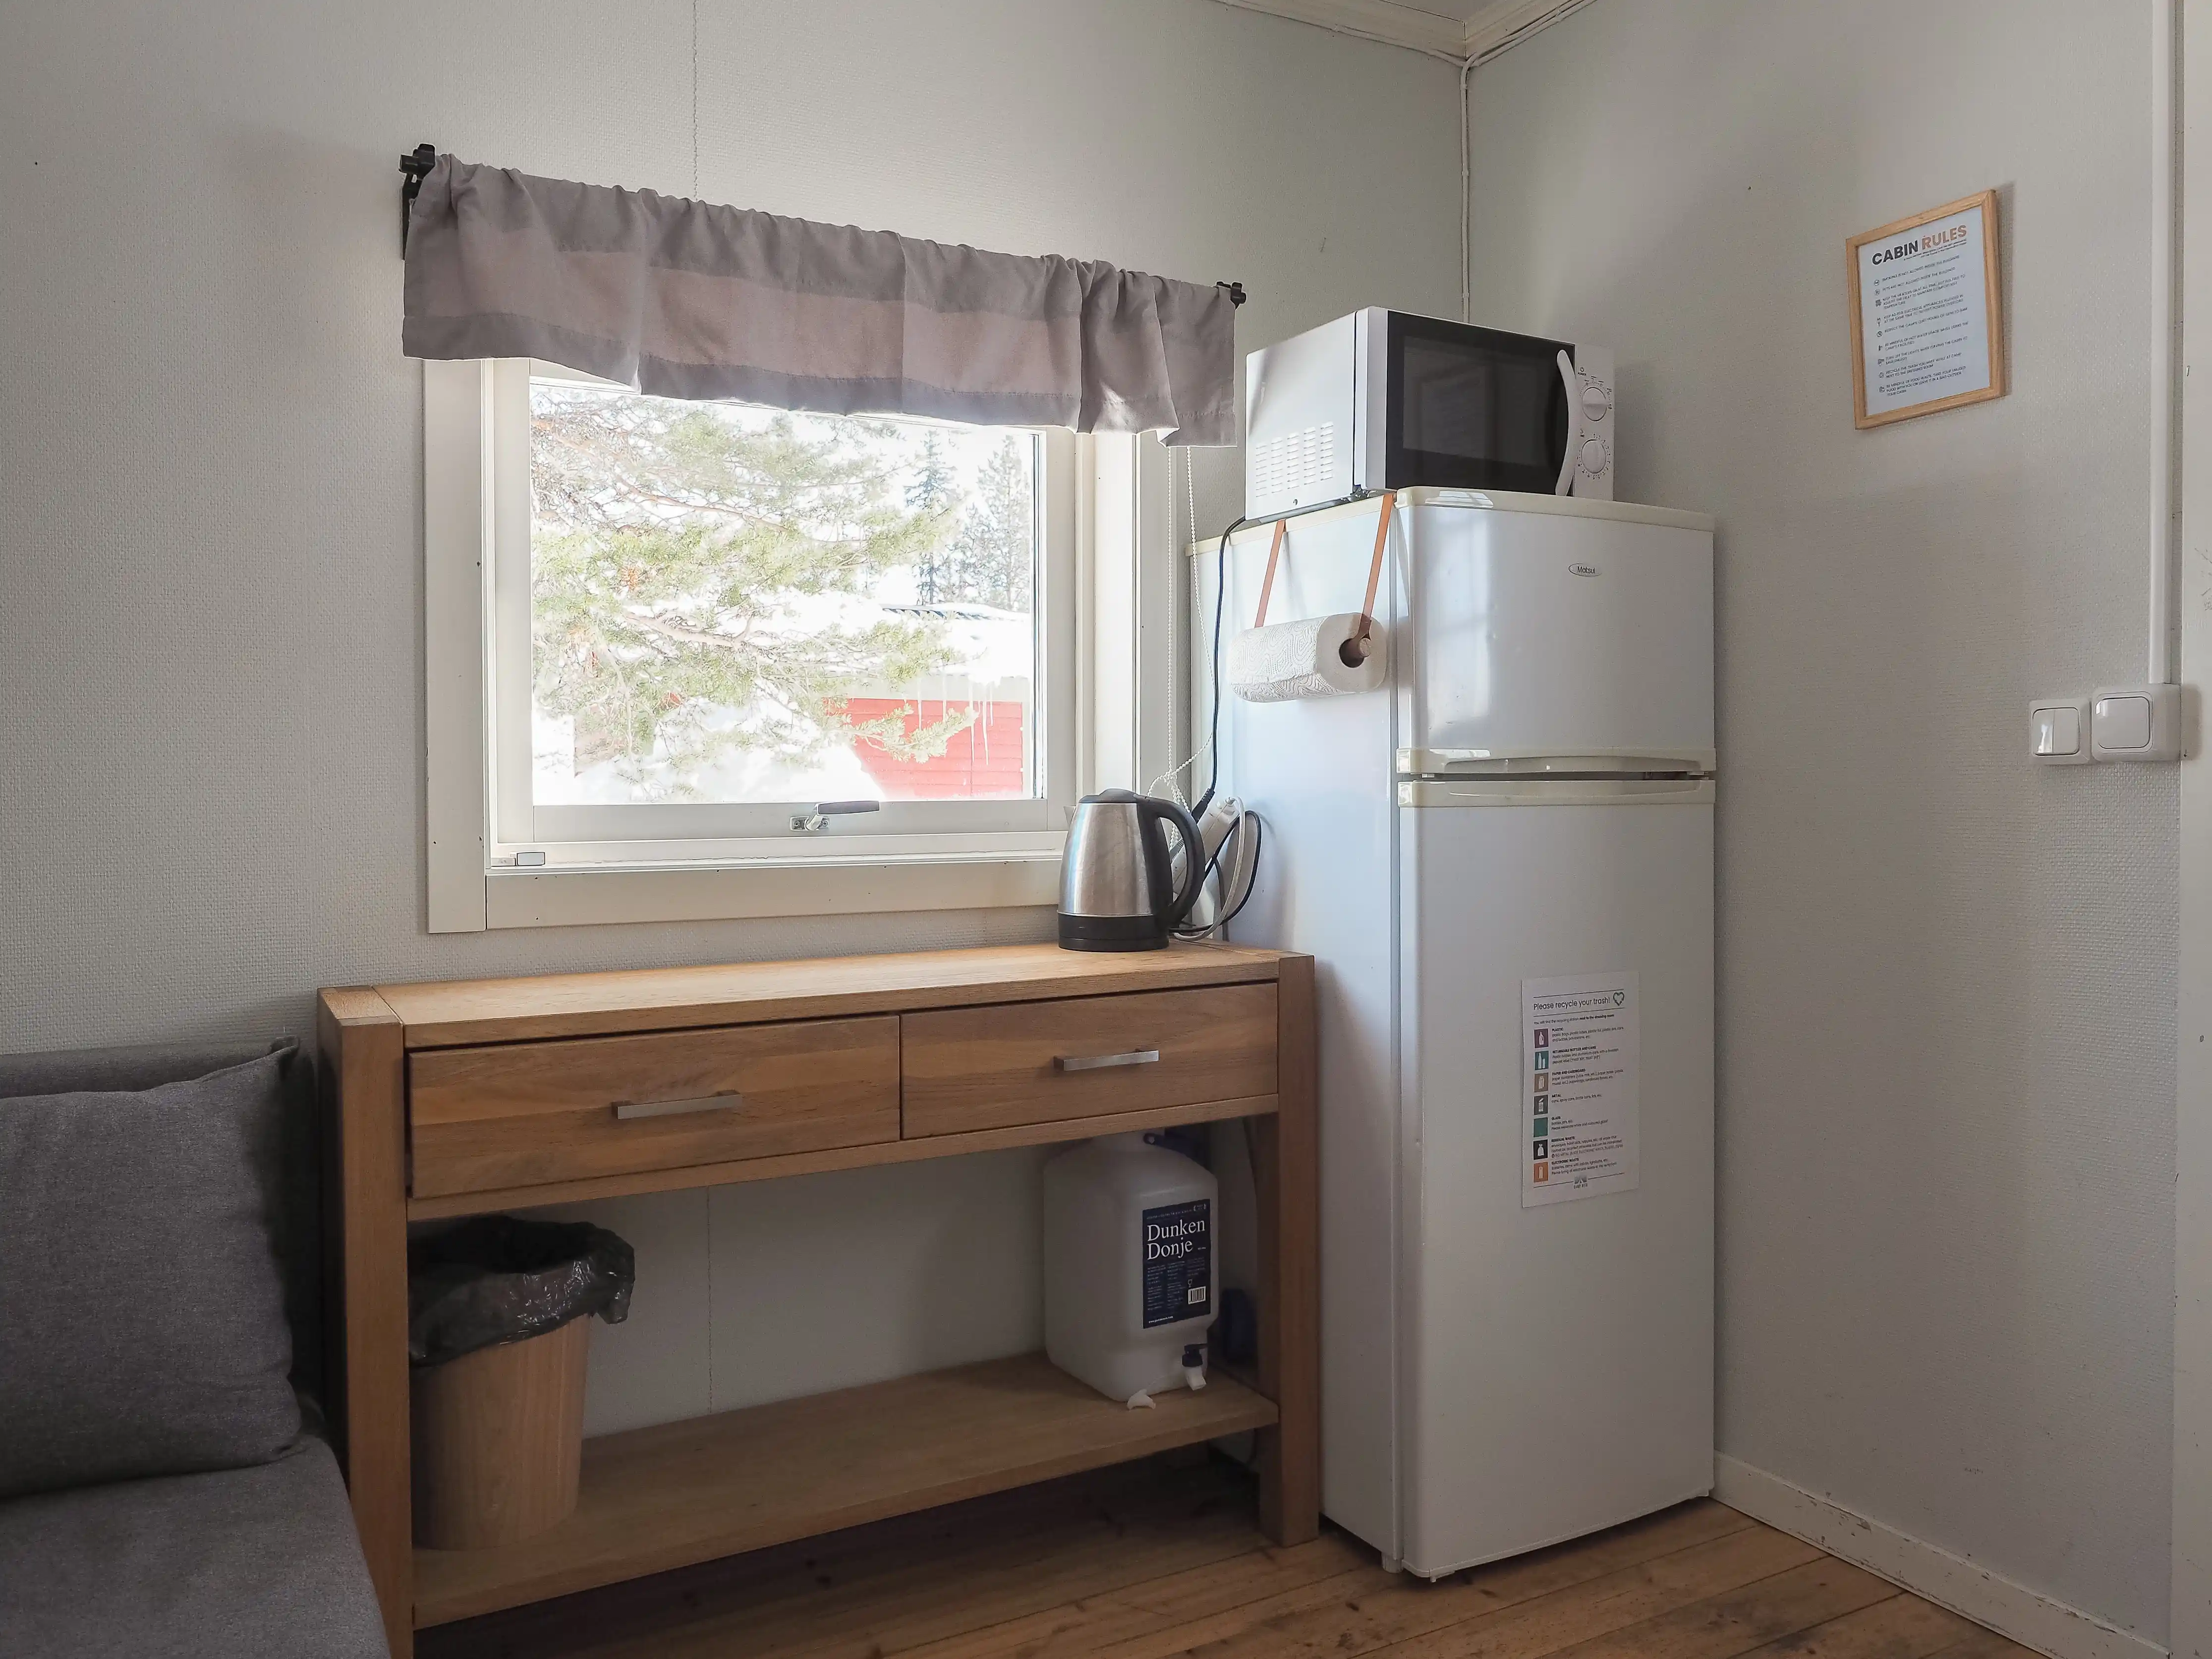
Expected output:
(1927, 319)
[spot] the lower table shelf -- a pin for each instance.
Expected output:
(684, 1492)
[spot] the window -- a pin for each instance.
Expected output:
(663, 636)
(740, 607)
(725, 616)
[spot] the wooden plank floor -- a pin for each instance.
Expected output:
(1163, 1558)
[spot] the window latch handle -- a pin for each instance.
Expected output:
(814, 822)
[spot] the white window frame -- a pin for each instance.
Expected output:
(1105, 701)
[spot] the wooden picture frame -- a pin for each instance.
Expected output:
(1890, 266)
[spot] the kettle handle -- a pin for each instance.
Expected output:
(1193, 862)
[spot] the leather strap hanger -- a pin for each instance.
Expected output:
(1375, 568)
(1390, 507)
(1267, 581)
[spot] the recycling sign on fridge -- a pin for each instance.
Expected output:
(1579, 1115)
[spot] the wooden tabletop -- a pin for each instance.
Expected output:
(442, 1014)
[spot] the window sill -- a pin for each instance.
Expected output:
(556, 898)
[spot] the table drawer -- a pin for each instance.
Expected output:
(1039, 1062)
(519, 1114)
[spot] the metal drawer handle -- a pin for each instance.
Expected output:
(626, 1109)
(1099, 1062)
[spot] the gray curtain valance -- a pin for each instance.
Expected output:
(686, 299)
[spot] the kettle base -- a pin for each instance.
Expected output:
(1111, 934)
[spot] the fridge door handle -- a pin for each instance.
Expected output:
(1555, 792)
(1552, 762)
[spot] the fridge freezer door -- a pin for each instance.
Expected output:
(1549, 633)
(1558, 1359)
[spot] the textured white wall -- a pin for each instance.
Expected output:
(1946, 977)
(210, 519)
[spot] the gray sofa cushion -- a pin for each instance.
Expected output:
(145, 1330)
(295, 1183)
(227, 1565)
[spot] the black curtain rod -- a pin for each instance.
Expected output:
(415, 166)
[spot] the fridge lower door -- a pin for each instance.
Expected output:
(1557, 1354)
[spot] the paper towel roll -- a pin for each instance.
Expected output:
(1286, 660)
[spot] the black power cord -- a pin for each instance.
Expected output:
(1213, 873)
(1214, 737)
(1259, 840)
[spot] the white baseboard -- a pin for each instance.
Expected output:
(2028, 1617)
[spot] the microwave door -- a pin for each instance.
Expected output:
(1472, 408)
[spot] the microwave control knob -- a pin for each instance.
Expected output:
(1596, 404)
(1597, 455)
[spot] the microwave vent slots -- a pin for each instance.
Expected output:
(1299, 462)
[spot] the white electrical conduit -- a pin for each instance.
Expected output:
(2165, 344)
(1466, 197)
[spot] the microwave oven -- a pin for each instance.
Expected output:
(1386, 400)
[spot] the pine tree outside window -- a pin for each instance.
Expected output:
(662, 635)
(740, 607)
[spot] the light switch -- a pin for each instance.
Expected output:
(2136, 723)
(2121, 722)
(2059, 731)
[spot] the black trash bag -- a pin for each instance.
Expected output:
(494, 1278)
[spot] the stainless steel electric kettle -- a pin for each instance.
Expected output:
(1118, 887)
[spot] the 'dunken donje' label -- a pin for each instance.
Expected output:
(1178, 1260)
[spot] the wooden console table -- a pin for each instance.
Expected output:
(473, 1096)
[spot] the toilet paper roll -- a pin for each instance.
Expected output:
(1287, 660)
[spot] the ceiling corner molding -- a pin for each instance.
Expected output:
(1490, 28)
(1371, 20)
(1504, 24)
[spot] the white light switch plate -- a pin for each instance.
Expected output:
(2059, 731)
(2136, 723)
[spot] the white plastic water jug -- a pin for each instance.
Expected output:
(1128, 1266)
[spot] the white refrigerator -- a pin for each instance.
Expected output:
(1504, 864)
